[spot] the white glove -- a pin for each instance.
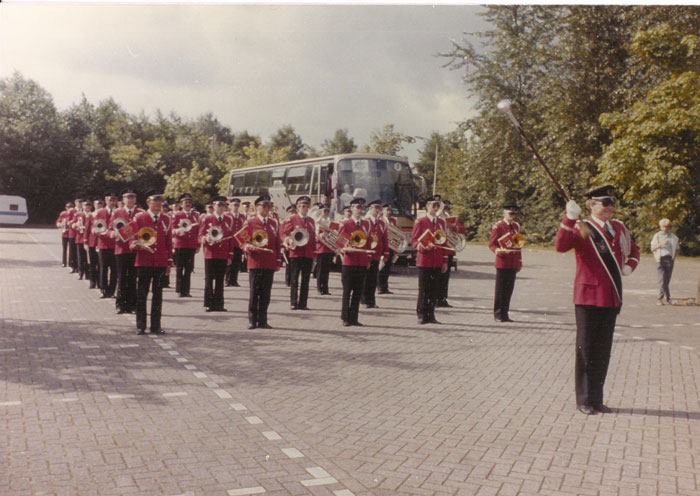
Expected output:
(626, 270)
(572, 210)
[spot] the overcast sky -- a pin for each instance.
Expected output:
(318, 68)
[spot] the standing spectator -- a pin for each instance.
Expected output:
(664, 246)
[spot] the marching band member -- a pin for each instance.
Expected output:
(324, 255)
(237, 219)
(381, 252)
(123, 254)
(457, 227)
(152, 261)
(72, 252)
(218, 253)
(508, 261)
(105, 245)
(355, 264)
(167, 202)
(79, 220)
(431, 261)
(62, 224)
(86, 268)
(604, 254)
(263, 262)
(301, 258)
(383, 275)
(93, 256)
(291, 210)
(186, 245)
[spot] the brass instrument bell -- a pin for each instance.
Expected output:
(147, 236)
(358, 239)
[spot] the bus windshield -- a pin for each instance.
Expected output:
(389, 181)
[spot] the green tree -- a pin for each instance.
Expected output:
(287, 139)
(339, 144)
(654, 152)
(387, 141)
(34, 153)
(197, 181)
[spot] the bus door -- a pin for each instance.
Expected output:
(321, 181)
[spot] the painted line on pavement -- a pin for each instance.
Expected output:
(246, 490)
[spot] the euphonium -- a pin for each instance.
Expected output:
(299, 237)
(439, 237)
(518, 240)
(358, 239)
(398, 241)
(259, 238)
(147, 236)
(99, 227)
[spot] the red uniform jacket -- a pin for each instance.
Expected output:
(382, 248)
(189, 239)
(592, 284)
(258, 259)
(296, 221)
(353, 258)
(104, 241)
(92, 239)
(223, 249)
(434, 258)
(63, 217)
(71, 218)
(79, 218)
(507, 260)
(162, 249)
(238, 221)
(120, 247)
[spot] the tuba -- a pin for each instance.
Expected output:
(214, 234)
(299, 237)
(99, 227)
(147, 236)
(358, 239)
(327, 236)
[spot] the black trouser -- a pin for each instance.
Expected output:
(505, 282)
(214, 272)
(300, 266)
(94, 267)
(664, 271)
(594, 335)
(184, 265)
(259, 299)
(324, 261)
(126, 287)
(72, 254)
(287, 273)
(235, 267)
(81, 255)
(428, 281)
(353, 278)
(370, 288)
(147, 277)
(108, 272)
(445, 281)
(383, 275)
(64, 251)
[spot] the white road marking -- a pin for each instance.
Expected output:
(210, 384)
(190, 367)
(182, 359)
(130, 345)
(224, 395)
(200, 375)
(318, 473)
(173, 353)
(318, 482)
(292, 453)
(272, 436)
(7, 350)
(662, 342)
(10, 403)
(245, 490)
(120, 396)
(343, 492)
(238, 407)
(47, 348)
(687, 347)
(177, 393)
(254, 420)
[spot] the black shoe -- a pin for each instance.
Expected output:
(92, 286)
(346, 323)
(326, 293)
(302, 308)
(602, 408)
(444, 304)
(103, 296)
(121, 311)
(157, 331)
(358, 324)
(63, 265)
(265, 326)
(141, 332)
(588, 410)
(372, 306)
(186, 295)
(73, 271)
(209, 309)
(293, 307)
(423, 321)
(252, 326)
(433, 321)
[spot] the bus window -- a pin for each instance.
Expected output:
(249, 186)
(264, 182)
(298, 180)
(236, 187)
(277, 177)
